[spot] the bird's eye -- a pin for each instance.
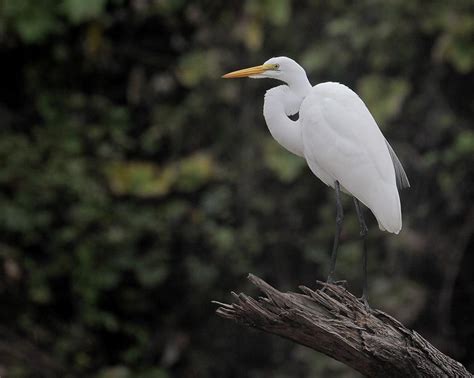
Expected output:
(276, 66)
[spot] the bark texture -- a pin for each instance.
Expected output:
(332, 321)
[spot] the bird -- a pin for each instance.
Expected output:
(341, 142)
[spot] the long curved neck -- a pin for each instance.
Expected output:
(299, 84)
(280, 102)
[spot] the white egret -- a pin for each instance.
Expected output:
(341, 142)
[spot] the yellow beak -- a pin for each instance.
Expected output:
(248, 71)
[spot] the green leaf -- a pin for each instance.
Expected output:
(278, 11)
(465, 143)
(151, 270)
(32, 20)
(194, 172)
(78, 11)
(196, 66)
(146, 179)
(285, 165)
(383, 95)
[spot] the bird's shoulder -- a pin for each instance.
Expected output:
(333, 91)
(336, 103)
(334, 115)
(330, 87)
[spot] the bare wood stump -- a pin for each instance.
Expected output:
(332, 321)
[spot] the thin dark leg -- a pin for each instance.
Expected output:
(363, 234)
(339, 218)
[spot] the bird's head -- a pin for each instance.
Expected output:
(281, 68)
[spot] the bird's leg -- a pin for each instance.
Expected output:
(339, 219)
(363, 234)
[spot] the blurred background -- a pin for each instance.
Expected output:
(137, 186)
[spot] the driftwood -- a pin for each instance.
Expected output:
(332, 321)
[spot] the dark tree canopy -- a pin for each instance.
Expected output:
(136, 185)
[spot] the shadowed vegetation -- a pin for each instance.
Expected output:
(136, 185)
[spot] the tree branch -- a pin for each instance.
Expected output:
(332, 321)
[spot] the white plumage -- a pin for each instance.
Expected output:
(337, 136)
(340, 141)
(343, 142)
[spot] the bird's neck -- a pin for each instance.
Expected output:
(299, 85)
(280, 102)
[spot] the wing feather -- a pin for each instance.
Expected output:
(400, 175)
(342, 141)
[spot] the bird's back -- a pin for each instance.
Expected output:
(343, 142)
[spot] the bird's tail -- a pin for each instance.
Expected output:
(388, 212)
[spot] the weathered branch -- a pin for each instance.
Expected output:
(334, 322)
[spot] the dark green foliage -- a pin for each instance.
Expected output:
(137, 186)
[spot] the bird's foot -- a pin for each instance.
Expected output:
(365, 302)
(332, 281)
(342, 283)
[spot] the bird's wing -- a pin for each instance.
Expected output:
(343, 140)
(400, 175)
